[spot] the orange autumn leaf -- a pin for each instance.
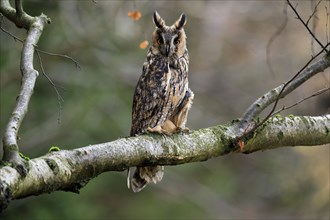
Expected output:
(144, 44)
(241, 145)
(135, 15)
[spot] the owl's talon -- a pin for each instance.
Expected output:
(158, 129)
(165, 133)
(182, 130)
(186, 130)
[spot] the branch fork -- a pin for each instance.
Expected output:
(35, 26)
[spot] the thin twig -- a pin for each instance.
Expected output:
(314, 11)
(42, 51)
(306, 26)
(276, 34)
(60, 100)
(10, 34)
(61, 55)
(314, 21)
(327, 39)
(302, 100)
(327, 25)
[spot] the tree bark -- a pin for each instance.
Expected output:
(69, 170)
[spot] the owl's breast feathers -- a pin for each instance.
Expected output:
(160, 90)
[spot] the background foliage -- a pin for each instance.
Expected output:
(227, 43)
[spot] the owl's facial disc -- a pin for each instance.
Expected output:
(167, 43)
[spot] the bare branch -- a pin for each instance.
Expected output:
(43, 51)
(281, 91)
(60, 100)
(34, 25)
(314, 11)
(61, 55)
(283, 88)
(245, 125)
(306, 26)
(59, 97)
(24, 20)
(302, 100)
(314, 21)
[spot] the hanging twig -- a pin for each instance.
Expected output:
(43, 51)
(61, 55)
(10, 34)
(60, 100)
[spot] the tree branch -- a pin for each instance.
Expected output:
(29, 75)
(268, 98)
(290, 131)
(19, 17)
(69, 170)
(306, 26)
(302, 100)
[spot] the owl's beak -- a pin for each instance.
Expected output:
(167, 50)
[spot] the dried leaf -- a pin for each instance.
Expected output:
(241, 145)
(144, 44)
(135, 15)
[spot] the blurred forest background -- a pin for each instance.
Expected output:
(227, 43)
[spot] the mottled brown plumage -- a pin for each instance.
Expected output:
(162, 97)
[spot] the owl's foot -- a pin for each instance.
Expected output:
(158, 129)
(182, 130)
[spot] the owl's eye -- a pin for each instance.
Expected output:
(160, 40)
(176, 40)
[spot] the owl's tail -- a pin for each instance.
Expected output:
(145, 175)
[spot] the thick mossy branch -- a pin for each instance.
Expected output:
(290, 131)
(70, 170)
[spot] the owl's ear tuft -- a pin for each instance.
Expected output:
(159, 22)
(181, 22)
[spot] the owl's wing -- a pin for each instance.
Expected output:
(151, 97)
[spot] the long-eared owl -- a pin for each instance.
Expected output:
(162, 97)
